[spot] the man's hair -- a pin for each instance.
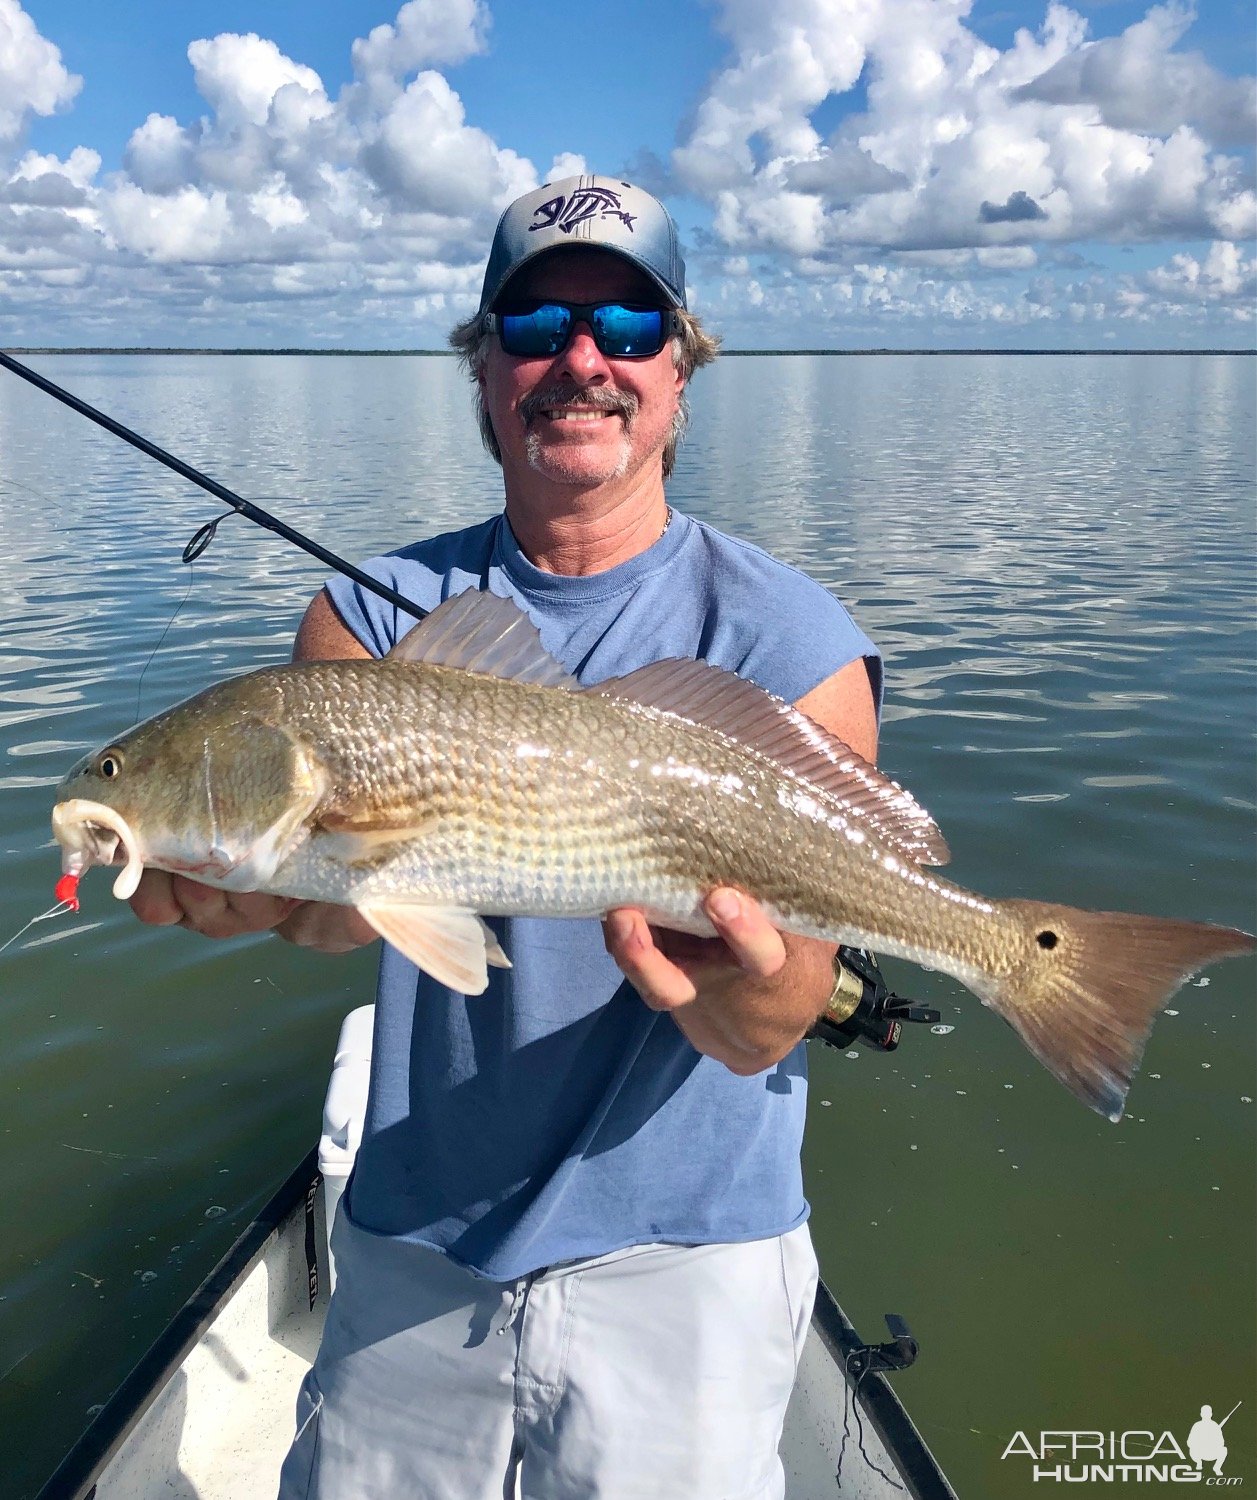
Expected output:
(692, 348)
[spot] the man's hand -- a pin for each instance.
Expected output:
(174, 900)
(165, 900)
(744, 997)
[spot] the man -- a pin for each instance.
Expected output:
(1206, 1442)
(575, 1258)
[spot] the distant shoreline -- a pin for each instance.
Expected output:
(737, 353)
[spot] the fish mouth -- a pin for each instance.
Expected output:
(92, 834)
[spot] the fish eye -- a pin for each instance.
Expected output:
(110, 764)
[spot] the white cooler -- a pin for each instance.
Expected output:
(344, 1112)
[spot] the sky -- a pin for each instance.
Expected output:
(844, 173)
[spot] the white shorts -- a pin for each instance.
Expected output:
(656, 1372)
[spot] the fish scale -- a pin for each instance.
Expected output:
(429, 795)
(567, 807)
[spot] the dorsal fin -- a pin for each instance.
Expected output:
(720, 700)
(479, 632)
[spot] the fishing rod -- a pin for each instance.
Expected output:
(205, 534)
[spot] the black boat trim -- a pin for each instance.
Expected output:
(75, 1476)
(917, 1466)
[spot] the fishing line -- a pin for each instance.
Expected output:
(9, 479)
(59, 910)
(197, 544)
(187, 594)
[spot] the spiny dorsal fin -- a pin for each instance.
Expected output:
(479, 632)
(720, 700)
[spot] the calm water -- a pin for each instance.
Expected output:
(1057, 556)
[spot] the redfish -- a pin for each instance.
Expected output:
(467, 774)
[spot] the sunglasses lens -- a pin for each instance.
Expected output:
(541, 328)
(622, 332)
(536, 329)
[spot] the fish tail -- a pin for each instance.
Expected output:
(1089, 984)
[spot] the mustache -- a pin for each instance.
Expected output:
(596, 397)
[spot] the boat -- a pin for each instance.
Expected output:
(207, 1413)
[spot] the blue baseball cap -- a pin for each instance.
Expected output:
(590, 210)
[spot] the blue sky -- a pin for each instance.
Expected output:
(133, 53)
(846, 173)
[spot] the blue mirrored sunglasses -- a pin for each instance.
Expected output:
(621, 330)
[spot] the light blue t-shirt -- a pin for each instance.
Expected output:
(555, 1116)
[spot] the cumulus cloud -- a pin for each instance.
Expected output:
(46, 214)
(240, 76)
(1017, 208)
(1224, 275)
(568, 164)
(159, 155)
(841, 172)
(1138, 82)
(279, 191)
(959, 144)
(50, 183)
(983, 296)
(423, 35)
(49, 190)
(425, 155)
(953, 300)
(33, 79)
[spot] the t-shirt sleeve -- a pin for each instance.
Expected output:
(425, 572)
(375, 622)
(805, 638)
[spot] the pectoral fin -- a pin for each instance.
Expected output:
(452, 945)
(364, 842)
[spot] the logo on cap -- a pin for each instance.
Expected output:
(567, 211)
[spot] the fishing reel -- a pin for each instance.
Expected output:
(862, 1008)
